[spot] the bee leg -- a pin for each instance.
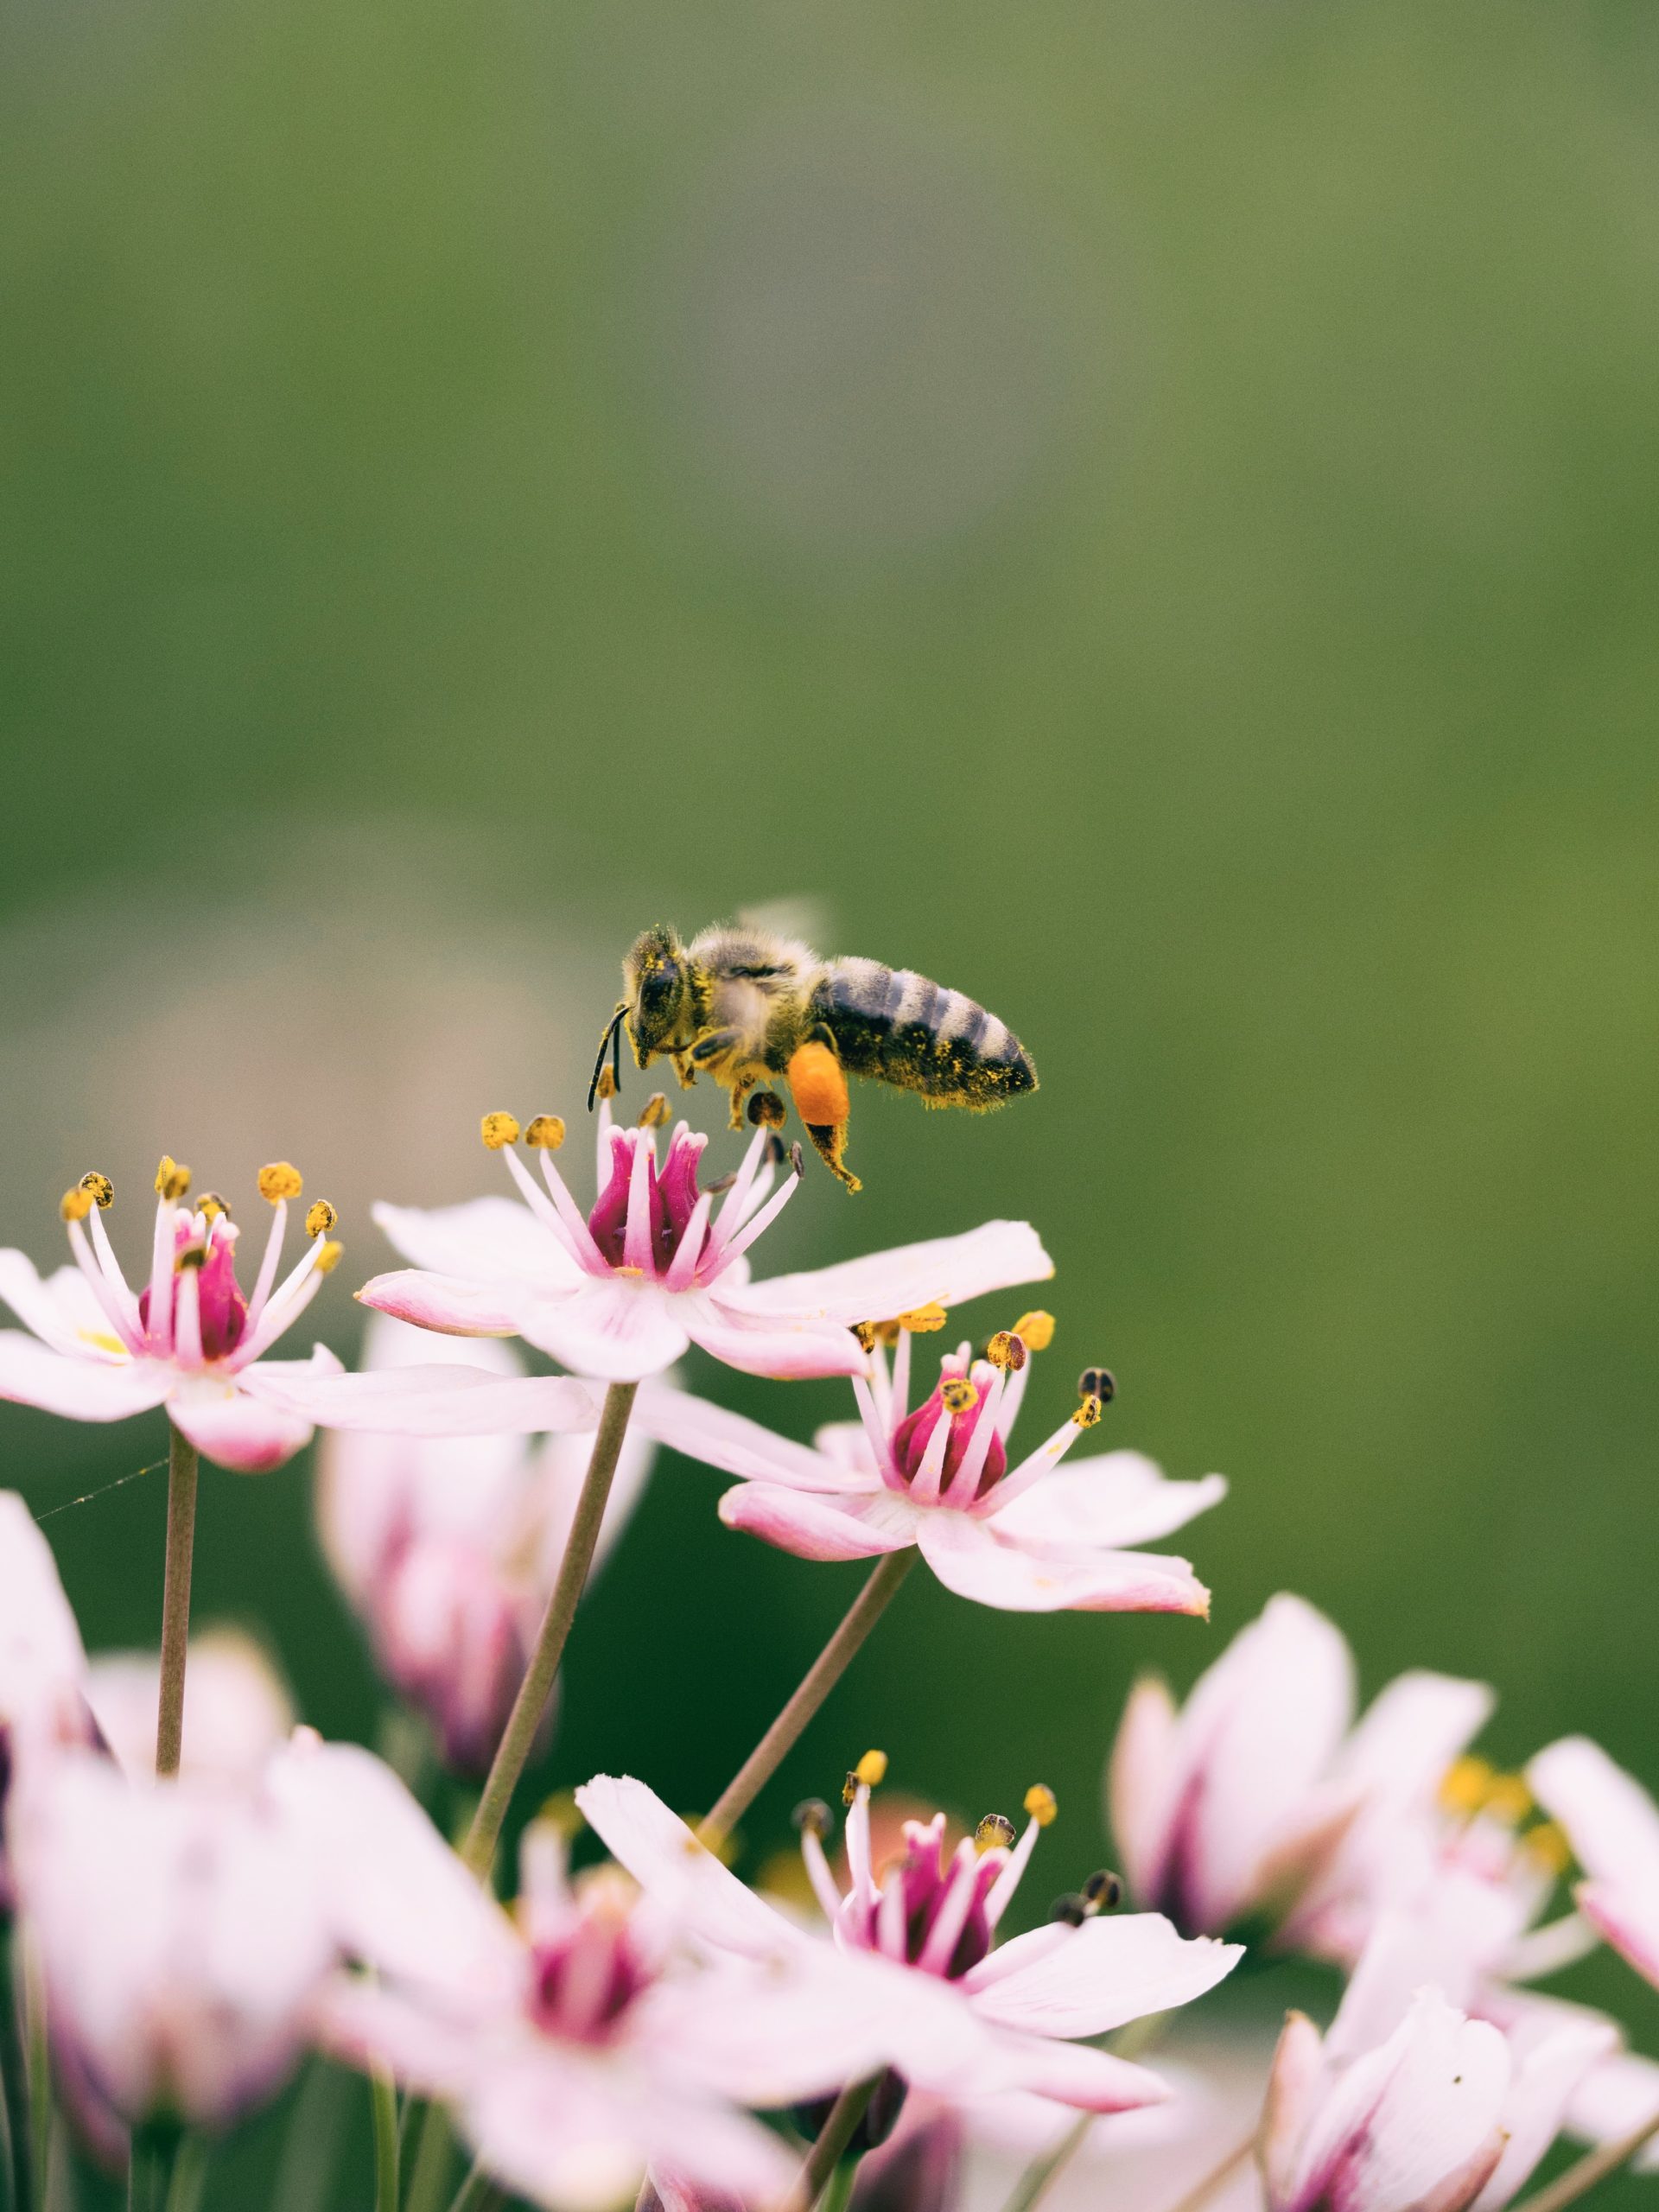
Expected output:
(829, 1142)
(741, 1086)
(684, 1068)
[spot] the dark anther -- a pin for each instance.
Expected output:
(1072, 1908)
(995, 1831)
(811, 1817)
(1104, 1893)
(767, 1110)
(797, 1157)
(865, 1331)
(849, 1788)
(776, 1151)
(721, 1182)
(1097, 1383)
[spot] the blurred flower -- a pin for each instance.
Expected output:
(185, 1930)
(621, 1292)
(910, 1981)
(917, 2170)
(192, 1341)
(1020, 1538)
(589, 2048)
(448, 1547)
(1259, 1796)
(236, 1708)
(42, 1664)
(1408, 2102)
(1613, 1825)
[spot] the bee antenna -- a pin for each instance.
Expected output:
(610, 1042)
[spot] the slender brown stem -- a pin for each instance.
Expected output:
(175, 1598)
(512, 1753)
(1593, 2167)
(1033, 2184)
(820, 1678)
(827, 2152)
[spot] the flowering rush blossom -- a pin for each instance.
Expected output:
(589, 2047)
(1261, 1795)
(238, 1712)
(187, 1930)
(1408, 2102)
(910, 1970)
(191, 1340)
(1017, 1536)
(619, 1292)
(448, 1547)
(1613, 1825)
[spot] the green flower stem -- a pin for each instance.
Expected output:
(13, 2070)
(826, 2154)
(182, 1466)
(512, 1753)
(383, 2107)
(820, 1678)
(1594, 2167)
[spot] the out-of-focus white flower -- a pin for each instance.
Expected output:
(42, 1663)
(619, 1292)
(1261, 1794)
(448, 1547)
(192, 1341)
(1407, 2102)
(911, 1979)
(1019, 1536)
(236, 1708)
(589, 2047)
(1613, 1825)
(186, 1928)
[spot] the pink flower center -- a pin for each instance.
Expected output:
(672, 1197)
(963, 1403)
(930, 1884)
(587, 1978)
(224, 1309)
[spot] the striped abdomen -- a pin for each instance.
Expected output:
(896, 1026)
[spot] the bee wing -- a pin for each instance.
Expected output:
(808, 919)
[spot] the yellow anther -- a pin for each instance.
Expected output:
(561, 1813)
(865, 1331)
(281, 1180)
(172, 1179)
(545, 1133)
(1509, 1800)
(1007, 1350)
(957, 1394)
(328, 1256)
(320, 1219)
(888, 1333)
(100, 1187)
(656, 1110)
(994, 1833)
(872, 1770)
(1036, 1329)
(605, 1086)
(194, 1255)
(1041, 1803)
(925, 1319)
(1548, 1844)
(1466, 1784)
(498, 1131)
(1087, 1413)
(210, 1206)
(76, 1205)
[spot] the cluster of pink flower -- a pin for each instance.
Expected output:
(195, 1891)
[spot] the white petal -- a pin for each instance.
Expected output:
(87, 1388)
(719, 1438)
(440, 1400)
(665, 1858)
(1611, 1821)
(1117, 1500)
(617, 1330)
(944, 1270)
(494, 1239)
(1105, 1975)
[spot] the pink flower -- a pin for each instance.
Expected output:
(1019, 1537)
(589, 2046)
(1260, 1795)
(1613, 1825)
(911, 1978)
(652, 1267)
(192, 1341)
(236, 1708)
(448, 1547)
(42, 1663)
(1407, 2105)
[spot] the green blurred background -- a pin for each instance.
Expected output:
(1146, 511)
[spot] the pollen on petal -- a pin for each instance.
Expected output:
(98, 1188)
(320, 1219)
(545, 1133)
(172, 1179)
(281, 1180)
(498, 1131)
(1041, 1803)
(924, 1320)
(76, 1205)
(1036, 1330)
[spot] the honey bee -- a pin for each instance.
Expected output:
(750, 1005)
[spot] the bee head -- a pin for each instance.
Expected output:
(659, 978)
